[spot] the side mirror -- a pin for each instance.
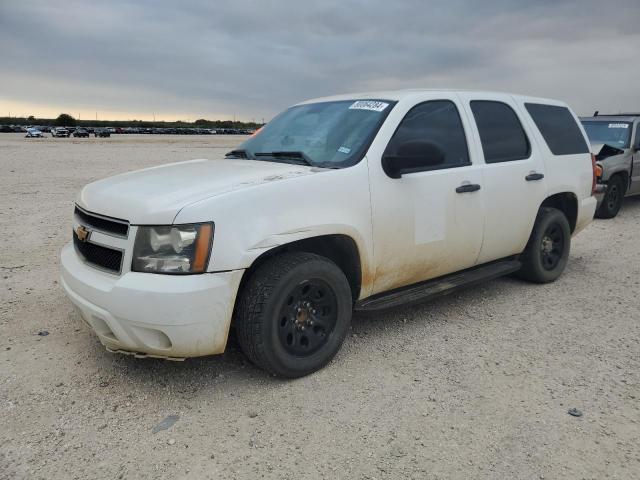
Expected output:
(412, 156)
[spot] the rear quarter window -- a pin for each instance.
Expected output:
(558, 128)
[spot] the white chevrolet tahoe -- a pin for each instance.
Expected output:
(357, 201)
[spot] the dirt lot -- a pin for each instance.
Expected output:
(475, 385)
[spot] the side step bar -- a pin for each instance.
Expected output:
(445, 285)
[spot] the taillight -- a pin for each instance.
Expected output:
(595, 176)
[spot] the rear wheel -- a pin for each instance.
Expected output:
(293, 314)
(612, 201)
(547, 251)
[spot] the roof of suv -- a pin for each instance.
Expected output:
(402, 94)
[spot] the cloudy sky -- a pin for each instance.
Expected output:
(216, 59)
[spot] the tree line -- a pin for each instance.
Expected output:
(66, 120)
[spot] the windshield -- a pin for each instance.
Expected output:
(616, 134)
(327, 134)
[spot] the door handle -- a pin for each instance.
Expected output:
(468, 187)
(534, 176)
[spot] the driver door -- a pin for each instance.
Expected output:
(429, 221)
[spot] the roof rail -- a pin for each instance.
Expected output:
(598, 114)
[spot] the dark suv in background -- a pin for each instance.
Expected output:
(81, 132)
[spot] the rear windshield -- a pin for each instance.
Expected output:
(558, 128)
(615, 134)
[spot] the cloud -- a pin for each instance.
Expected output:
(254, 58)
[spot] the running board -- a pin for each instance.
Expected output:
(430, 289)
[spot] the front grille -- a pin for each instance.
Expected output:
(103, 257)
(107, 225)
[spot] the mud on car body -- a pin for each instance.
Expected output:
(356, 201)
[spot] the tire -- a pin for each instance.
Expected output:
(293, 314)
(547, 251)
(612, 200)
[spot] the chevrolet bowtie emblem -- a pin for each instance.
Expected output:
(82, 233)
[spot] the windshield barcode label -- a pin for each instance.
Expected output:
(368, 105)
(618, 125)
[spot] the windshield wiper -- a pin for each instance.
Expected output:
(237, 154)
(296, 157)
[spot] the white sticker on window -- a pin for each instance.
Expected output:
(618, 125)
(368, 105)
(344, 150)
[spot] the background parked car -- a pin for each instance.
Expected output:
(615, 141)
(59, 132)
(81, 132)
(102, 132)
(33, 133)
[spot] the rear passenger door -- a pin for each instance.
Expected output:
(513, 175)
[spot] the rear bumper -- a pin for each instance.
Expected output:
(586, 211)
(169, 316)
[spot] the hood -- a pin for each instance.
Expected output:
(603, 150)
(156, 195)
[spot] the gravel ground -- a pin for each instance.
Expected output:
(475, 385)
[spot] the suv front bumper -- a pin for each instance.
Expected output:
(168, 316)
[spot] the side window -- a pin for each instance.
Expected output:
(437, 122)
(558, 128)
(501, 133)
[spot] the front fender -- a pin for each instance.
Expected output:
(267, 215)
(614, 165)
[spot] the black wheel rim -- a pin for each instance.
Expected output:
(307, 317)
(613, 197)
(552, 246)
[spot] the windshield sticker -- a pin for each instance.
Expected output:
(344, 150)
(368, 105)
(618, 125)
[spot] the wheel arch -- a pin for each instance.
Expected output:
(339, 248)
(625, 178)
(567, 203)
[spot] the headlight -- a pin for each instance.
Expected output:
(173, 248)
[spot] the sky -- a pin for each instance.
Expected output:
(184, 60)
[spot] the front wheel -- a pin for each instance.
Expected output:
(547, 251)
(612, 200)
(293, 314)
